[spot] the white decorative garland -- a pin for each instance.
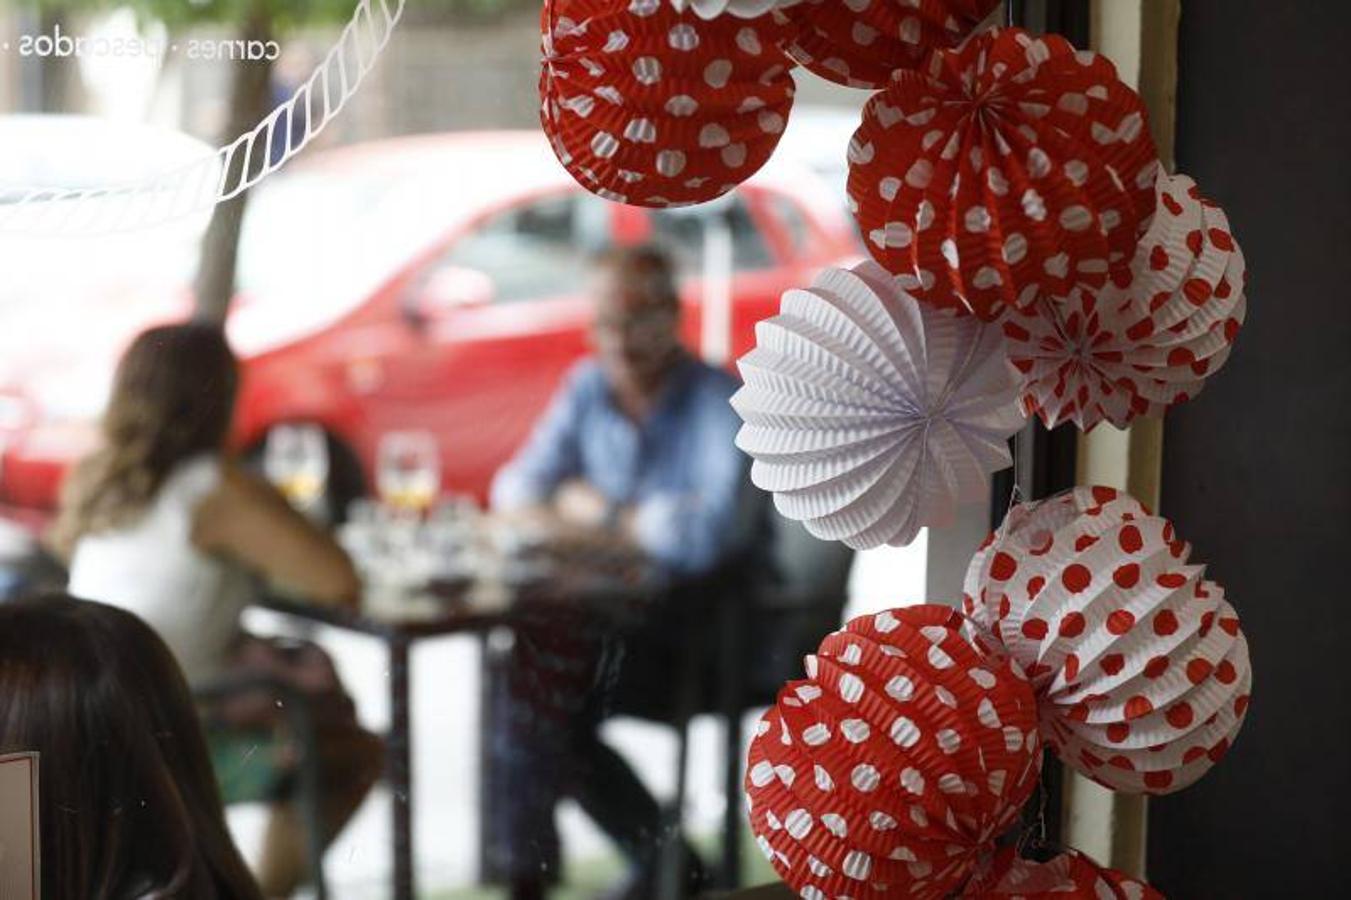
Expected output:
(232, 169)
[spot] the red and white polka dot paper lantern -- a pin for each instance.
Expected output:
(1138, 348)
(1067, 876)
(890, 770)
(1009, 170)
(860, 43)
(1139, 665)
(650, 106)
(743, 9)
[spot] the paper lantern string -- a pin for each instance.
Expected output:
(229, 171)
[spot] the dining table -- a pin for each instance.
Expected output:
(423, 602)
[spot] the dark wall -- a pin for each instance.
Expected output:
(1256, 469)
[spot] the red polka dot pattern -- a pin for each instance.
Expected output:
(860, 43)
(650, 106)
(1070, 876)
(743, 9)
(895, 765)
(1142, 674)
(1011, 169)
(1148, 343)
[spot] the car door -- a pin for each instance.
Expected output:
(498, 317)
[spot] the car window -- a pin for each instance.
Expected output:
(683, 232)
(794, 222)
(535, 250)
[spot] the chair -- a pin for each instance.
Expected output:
(308, 788)
(760, 641)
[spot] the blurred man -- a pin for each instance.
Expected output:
(637, 447)
(639, 441)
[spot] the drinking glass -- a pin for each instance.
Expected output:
(408, 471)
(295, 459)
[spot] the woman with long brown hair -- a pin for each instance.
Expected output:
(127, 799)
(163, 520)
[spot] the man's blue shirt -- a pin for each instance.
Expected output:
(679, 468)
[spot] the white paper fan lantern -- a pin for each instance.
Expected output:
(1139, 664)
(870, 415)
(742, 9)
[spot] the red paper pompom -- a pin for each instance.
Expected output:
(860, 43)
(1069, 876)
(650, 106)
(1139, 665)
(908, 750)
(1137, 348)
(1011, 169)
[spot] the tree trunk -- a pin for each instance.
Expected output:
(59, 86)
(250, 101)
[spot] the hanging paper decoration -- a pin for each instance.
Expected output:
(744, 9)
(1139, 664)
(870, 415)
(1065, 877)
(1011, 169)
(1137, 349)
(905, 753)
(860, 43)
(650, 106)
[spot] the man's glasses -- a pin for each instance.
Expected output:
(644, 328)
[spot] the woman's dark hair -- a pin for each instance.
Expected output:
(173, 397)
(128, 800)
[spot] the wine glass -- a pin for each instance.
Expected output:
(295, 459)
(408, 471)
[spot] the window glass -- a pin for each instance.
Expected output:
(684, 232)
(794, 222)
(540, 249)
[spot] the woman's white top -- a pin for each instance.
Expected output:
(150, 567)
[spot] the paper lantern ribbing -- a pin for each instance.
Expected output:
(653, 107)
(1065, 877)
(892, 768)
(1133, 350)
(1139, 664)
(1011, 169)
(860, 43)
(744, 9)
(870, 415)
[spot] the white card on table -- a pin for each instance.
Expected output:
(20, 871)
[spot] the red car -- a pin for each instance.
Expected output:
(436, 283)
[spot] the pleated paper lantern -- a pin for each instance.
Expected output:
(860, 43)
(895, 765)
(870, 415)
(743, 9)
(650, 106)
(1139, 664)
(1011, 169)
(1138, 348)
(1068, 876)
